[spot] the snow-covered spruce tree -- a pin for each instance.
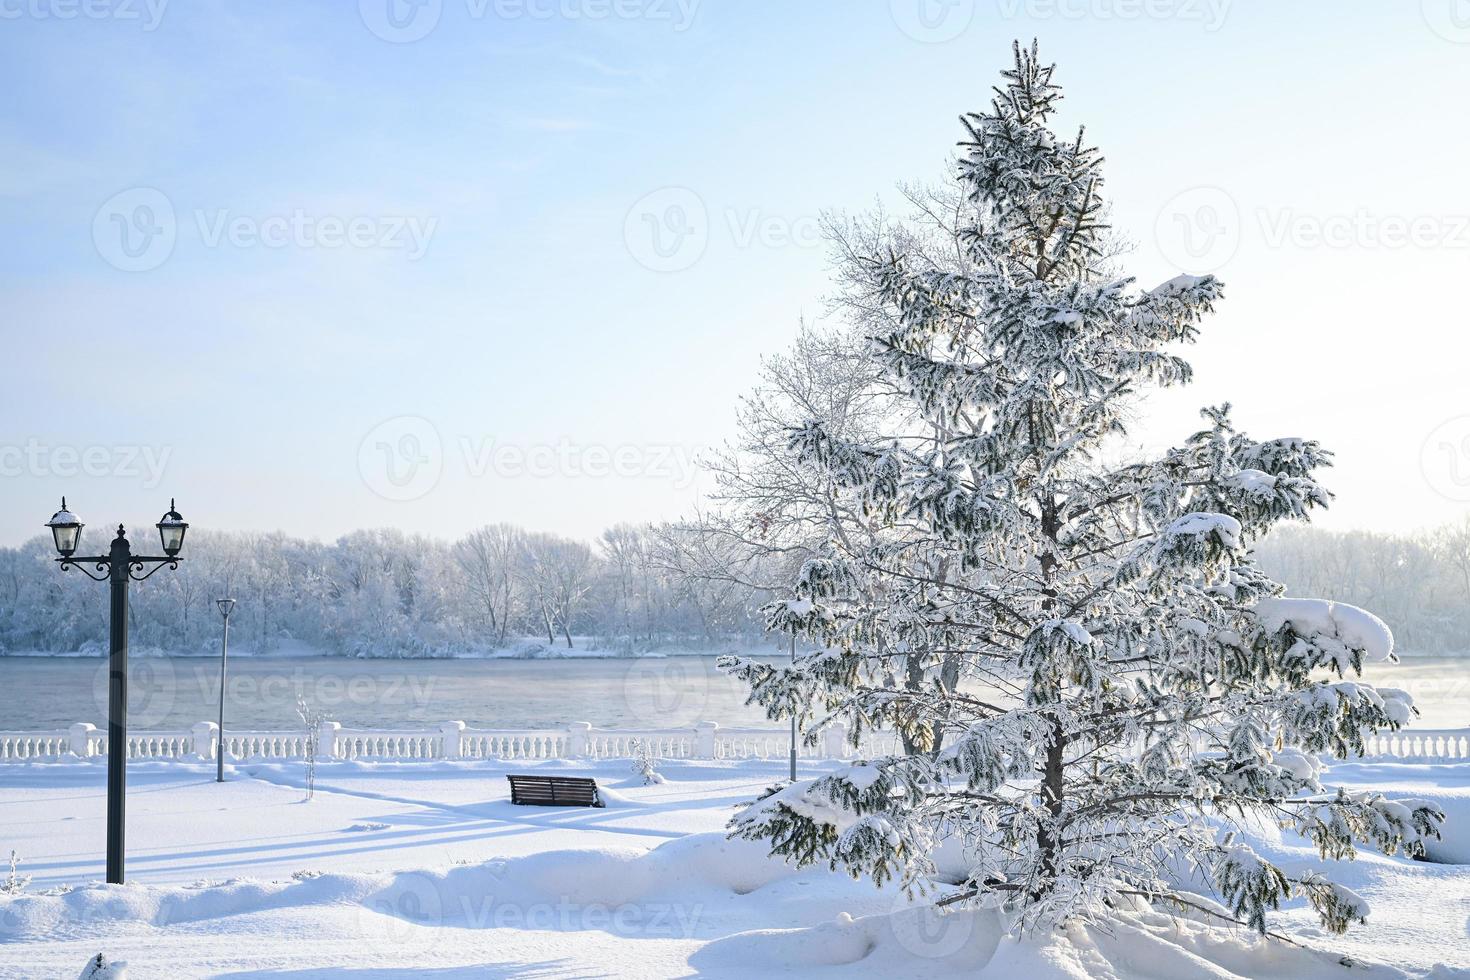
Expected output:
(1109, 684)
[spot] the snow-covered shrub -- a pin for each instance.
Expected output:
(100, 967)
(1148, 682)
(311, 720)
(645, 764)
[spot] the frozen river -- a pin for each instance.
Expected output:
(261, 692)
(655, 692)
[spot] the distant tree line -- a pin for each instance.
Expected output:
(389, 594)
(637, 587)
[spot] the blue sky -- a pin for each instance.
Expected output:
(304, 269)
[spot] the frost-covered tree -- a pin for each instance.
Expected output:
(1108, 682)
(645, 763)
(558, 573)
(488, 557)
(14, 883)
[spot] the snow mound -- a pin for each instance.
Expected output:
(920, 942)
(74, 913)
(698, 867)
(908, 943)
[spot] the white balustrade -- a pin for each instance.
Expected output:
(478, 744)
(19, 746)
(241, 746)
(579, 740)
(1421, 744)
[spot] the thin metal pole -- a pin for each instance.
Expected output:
(793, 715)
(219, 751)
(117, 709)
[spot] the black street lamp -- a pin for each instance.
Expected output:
(119, 566)
(226, 606)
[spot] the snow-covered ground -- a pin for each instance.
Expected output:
(426, 869)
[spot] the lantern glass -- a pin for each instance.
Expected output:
(171, 531)
(66, 531)
(67, 537)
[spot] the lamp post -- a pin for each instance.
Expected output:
(118, 567)
(226, 606)
(793, 715)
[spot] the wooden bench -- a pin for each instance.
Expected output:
(553, 791)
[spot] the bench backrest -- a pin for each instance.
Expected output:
(553, 791)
